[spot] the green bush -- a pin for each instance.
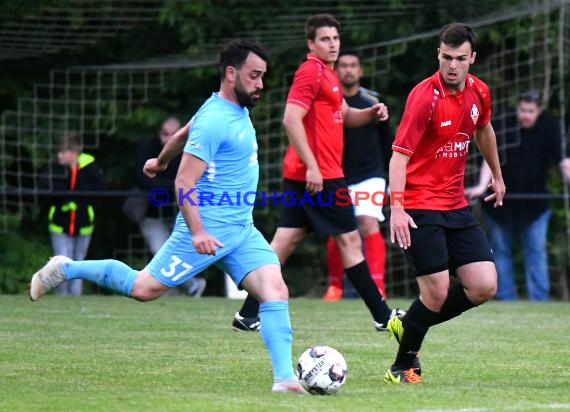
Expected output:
(20, 257)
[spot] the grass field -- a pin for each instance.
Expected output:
(99, 353)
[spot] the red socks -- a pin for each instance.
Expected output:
(334, 263)
(375, 253)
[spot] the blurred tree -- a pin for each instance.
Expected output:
(192, 31)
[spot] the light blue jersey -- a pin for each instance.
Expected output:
(223, 136)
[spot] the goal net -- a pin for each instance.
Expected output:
(520, 49)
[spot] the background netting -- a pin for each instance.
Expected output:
(95, 99)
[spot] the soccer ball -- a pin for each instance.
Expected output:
(321, 370)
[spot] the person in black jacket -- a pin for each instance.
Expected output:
(155, 224)
(72, 218)
(532, 142)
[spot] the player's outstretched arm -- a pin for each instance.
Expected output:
(400, 221)
(487, 142)
(190, 170)
(293, 123)
(353, 117)
(170, 150)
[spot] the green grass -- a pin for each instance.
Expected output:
(98, 353)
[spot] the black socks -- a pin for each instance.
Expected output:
(416, 324)
(360, 277)
(250, 307)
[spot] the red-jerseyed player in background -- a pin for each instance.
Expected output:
(442, 114)
(314, 117)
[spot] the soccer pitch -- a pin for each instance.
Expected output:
(98, 353)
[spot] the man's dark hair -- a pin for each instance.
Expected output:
(349, 52)
(70, 140)
(455, 34)
(531, 96)
(236, 51)
(317, 21)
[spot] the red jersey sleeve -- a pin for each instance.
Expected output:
(306, 85)
(415, 121)
(485, 94)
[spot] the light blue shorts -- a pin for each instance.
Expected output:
(245, 249)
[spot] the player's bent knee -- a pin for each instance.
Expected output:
(484, 293)
(147, 288)
(434, 294)
(144, 295)
(350, 243)
(481, 286)
(433, 291)
(271, 294)
(277, 291)
(434, 300)
(266, 284)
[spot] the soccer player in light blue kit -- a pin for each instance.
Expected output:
(220, 158)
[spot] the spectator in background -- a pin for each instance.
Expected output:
(155, 221)
(366, 154)
(532, 140)
(72, 218)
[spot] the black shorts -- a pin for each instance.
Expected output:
(324, 213)
(446, 240)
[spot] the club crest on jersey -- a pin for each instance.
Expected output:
(474, 113)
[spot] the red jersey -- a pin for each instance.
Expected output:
(316, 87)
(436, 131)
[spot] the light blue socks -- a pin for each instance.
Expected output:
(277, 335)
(110, 274)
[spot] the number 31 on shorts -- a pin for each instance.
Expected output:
(176, 264)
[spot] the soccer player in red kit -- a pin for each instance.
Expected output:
(442, 114)
(314, 117)
(365, 159)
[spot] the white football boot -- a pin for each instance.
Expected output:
(288, 385)
(47, 278)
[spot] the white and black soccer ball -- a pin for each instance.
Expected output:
(321, 370)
